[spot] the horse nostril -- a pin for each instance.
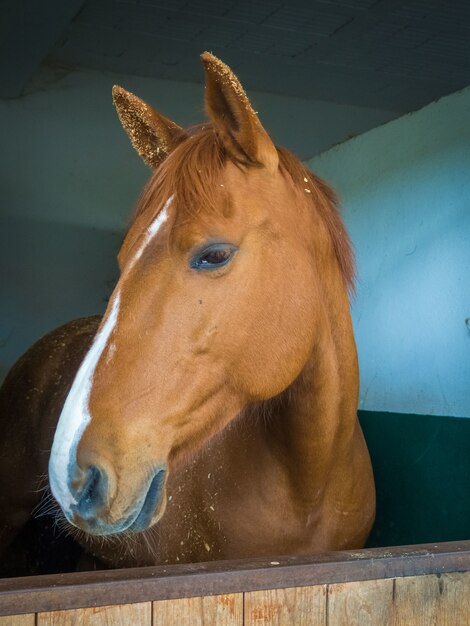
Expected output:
(152, 498)
(92, 493)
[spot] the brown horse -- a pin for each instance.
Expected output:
(216, 401)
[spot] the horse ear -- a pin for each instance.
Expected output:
(152, 135)
(233, 117)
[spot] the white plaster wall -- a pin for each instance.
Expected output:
(405, 190)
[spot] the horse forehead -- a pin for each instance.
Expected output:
(141, 235)
(255, 189)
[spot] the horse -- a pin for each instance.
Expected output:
(212, 412)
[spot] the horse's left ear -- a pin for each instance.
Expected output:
(152, 134)
(233, 117)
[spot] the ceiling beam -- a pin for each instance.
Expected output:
(28, 30)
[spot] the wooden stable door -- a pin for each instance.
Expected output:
(440, 600)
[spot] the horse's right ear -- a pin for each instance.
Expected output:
(152, 134)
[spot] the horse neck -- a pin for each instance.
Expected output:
(317, 414)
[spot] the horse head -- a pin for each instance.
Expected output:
(217, 307)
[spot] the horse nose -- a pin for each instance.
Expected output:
(90, 489)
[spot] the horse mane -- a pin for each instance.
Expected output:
(191, 174)
(325, 202)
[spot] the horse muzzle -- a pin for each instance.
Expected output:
(92, 506)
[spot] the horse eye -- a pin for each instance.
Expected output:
(214, 256)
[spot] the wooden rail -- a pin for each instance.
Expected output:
(421, 584)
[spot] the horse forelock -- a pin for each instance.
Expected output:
(192, 176)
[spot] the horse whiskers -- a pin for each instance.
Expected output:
(61, 526)
(46, 506)
(42, 483)
(44, 489)
(147, 536)
(128, 543)
(46, 511)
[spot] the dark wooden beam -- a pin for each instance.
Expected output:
(107, 587)
(28, 31)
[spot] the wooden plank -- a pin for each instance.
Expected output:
(18, 620)
(28, 30)
(119, 615)
(365, 603)
(101, 588)
(300, 606)
(223, 610)
(440, 600)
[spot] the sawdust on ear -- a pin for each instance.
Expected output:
(142, 126)
(227, 78)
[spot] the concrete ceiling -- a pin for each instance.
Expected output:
(387, 54)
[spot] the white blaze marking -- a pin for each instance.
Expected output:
(153, 229)
(110, 352)
(75, 415)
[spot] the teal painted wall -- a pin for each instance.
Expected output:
(422, 476)
(69, 180)
(405, 191)
(51, 272)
